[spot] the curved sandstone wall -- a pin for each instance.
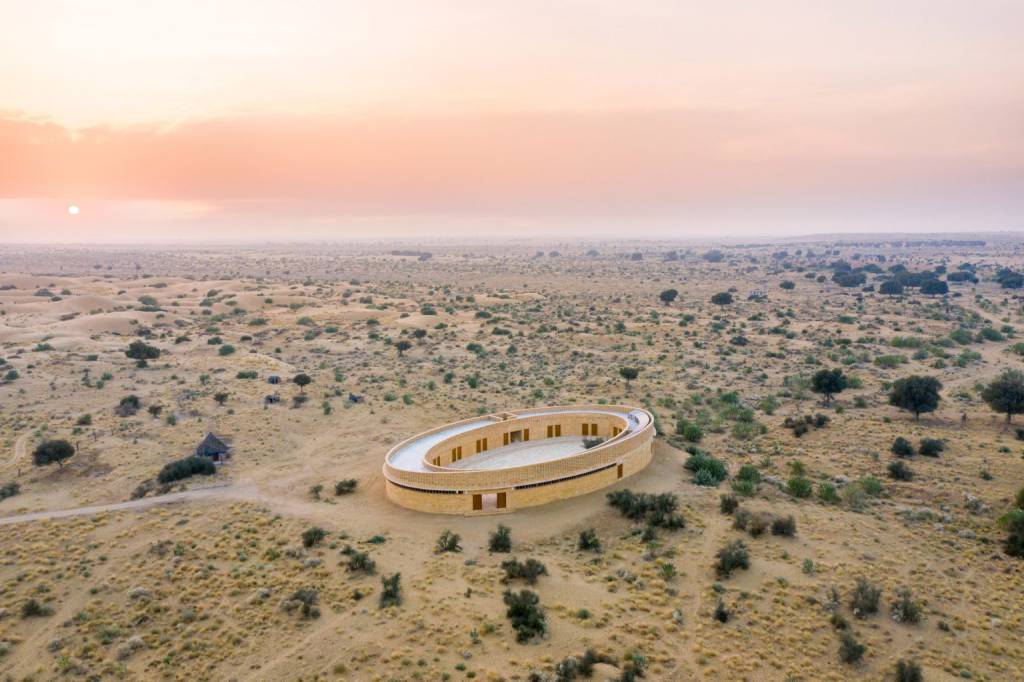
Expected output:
(436, 486)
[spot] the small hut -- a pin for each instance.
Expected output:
(273, 379)
(214, 448)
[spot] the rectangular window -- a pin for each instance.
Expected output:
(593, 429)
(504, 439)
(620, 471)
(485, 443)
(558, 430)
(526, 434)
(551, 431)
(586, 429)
(478, 502)
(501, 500)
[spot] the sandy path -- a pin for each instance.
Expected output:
(235, 491)
(19, 449)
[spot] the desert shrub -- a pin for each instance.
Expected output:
(931, 447)
(870, 485)
(657, 510)
(901, 447)
(799, 486)
(850, 650)
(345, 487)
(784, 526)
(525, 614)
(448, 542)
(732, 557)
(757, 524)
(311, 537)
(908, 671)
(306, 599)
(185, 468)
(721, 613)
(592, 442)
(827, 493)
(500, 540)
(690, 431)
(728, 504)
(864, 601)
(33, 609)
(744, 488)
(749, 472)
(528, 570)
(905, 609)
(741, 519)
(9, 490)
(1013, 522)
(707, 470)
(391, 590)
(360, 562)
(588, 541)
(899, 471)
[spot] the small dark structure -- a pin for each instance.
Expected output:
(273, 379)
(271, 399)
(353, 398)
(757, 295)
(214, 448)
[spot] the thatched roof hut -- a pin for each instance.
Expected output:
(214, 448)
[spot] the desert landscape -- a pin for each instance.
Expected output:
(831, 494)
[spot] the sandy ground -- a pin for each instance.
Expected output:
(197, 584)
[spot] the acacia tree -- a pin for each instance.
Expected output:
(668, 296)
(916, 394)
(140, 350)
(828, 382)
(402, 346)
(1006, 393)
(891, 288)
(50, 451)
(629, 373)
(302, 380)
(723, 298)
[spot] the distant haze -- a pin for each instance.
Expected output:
(242, 121)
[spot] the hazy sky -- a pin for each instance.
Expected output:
(231, 119)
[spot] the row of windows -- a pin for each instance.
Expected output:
(554, 430)
(589, 429)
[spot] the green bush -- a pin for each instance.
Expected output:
(905, 609)
(908, 671)
(728, 504)
(850, 650)
(899, 471)
(313, 536)
(901, 447)
(500, 540)
(525, 614)
(707, 471)
(827, 493)
(799, 486)
(346, 486)
(866, 596)
(733, 556)
(391, 590)
(931, 447)
(185, 468)
(784, 526)
(588, 541)
(448, 542)
(656, 510)
(528, 570)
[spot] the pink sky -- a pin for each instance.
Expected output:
(272, 120)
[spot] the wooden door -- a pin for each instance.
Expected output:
(501, 500)
(478, 502)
